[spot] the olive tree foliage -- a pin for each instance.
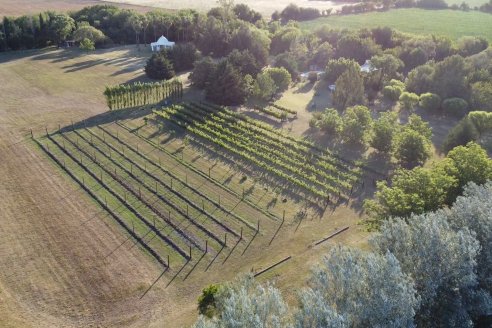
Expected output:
(315, 312)
(442, 261)
(473, 210)
(245, 303)
(369, 290)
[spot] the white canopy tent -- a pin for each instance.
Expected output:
(162, 43)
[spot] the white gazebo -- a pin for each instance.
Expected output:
(162, 43)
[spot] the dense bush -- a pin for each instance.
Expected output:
(313, 77)
(337, 67)
(330, 122)
(426, 189)
(293, 12)
(430, 102)
(85, 31)
(289, 62)
(408, 101)
(481, 96)
(470, 128)
(182, 55)
(226, 86)
(349, 89)
(158, 67)
(383, 132)
(432, 4)
(455, 107)
(470, 45)
(202, 72)
(280, 76)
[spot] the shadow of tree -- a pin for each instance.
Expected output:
(109, 117)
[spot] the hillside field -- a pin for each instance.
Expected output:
(453, 24)
(24, 7)
(68, 263)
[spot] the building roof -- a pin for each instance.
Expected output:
(162, 41)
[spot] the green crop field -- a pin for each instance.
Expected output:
(453, 24)
(471, 3)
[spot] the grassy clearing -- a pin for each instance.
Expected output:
(451, 23)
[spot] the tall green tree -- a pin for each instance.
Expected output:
(349, 89)
(159, 67)
(227, 86)
(62, 26)
(383, 132)
(411, 148)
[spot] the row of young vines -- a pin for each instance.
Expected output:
(264, 149)
(141, 94)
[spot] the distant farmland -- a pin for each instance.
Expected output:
(451, 23)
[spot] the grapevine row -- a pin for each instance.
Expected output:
(172, 175)
(122, 200)
(104, 206)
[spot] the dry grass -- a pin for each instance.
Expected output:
(53, 250)
(23, 7)
(263, 6)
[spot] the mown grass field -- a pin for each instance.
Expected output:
(453, 24)
(471, 3)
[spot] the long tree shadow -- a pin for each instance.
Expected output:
(109, 117)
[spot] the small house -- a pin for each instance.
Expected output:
(162, 43)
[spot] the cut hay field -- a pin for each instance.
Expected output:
(68, 262)
(24, 7)
(453, 24)
(263, 6)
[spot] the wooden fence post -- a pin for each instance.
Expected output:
(225, 239)
(190, 252)
(258, 228)
(206, 246)
(241, 236)
(31, 134)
